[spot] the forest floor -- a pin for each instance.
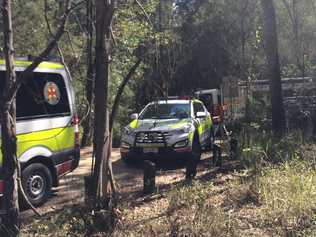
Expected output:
(129, 179)
(219, 202)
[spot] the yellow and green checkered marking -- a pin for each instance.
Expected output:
(55, 140)
(47, 65)
(134, 124)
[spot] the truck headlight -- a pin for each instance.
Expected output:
(183, 143)
(184, 129)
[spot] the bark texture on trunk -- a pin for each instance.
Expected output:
(87, 124)
(100, 180)
(271, 48)
(9, 221)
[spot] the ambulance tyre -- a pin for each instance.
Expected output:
(36, 183)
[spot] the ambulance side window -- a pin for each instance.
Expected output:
(42, 95)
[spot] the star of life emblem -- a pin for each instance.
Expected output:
(51, 93)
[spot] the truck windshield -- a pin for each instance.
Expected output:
(166, 111)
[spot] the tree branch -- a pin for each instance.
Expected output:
(78, 4)
(144, 12)
(52, 44)
(288, 8)
(120, 92)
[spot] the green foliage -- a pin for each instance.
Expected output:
(133, 33)
(194, 44)
(264, 147)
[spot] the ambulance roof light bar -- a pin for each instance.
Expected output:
(30, 57)
(182, 97)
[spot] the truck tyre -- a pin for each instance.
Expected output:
(126, 159)
(131, 160)
(36, 183)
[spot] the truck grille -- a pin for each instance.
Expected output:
(150, 137)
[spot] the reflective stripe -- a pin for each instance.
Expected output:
(198, 101)
(208, 122)
(55, 140)
(180, 124)
(49, 65)
(191, 135)
(39, 151)
(1, 187)
(200, 128)
(183, 149)
(36, 125)
(134, 124)
(64, 168)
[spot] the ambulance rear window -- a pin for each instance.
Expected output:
(42, 95)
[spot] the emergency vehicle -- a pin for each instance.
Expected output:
(47, 128)
(214, 101)
(173, 126)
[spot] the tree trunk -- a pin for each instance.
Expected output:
(295, 21)
(10, 223)
(87, 124)
(104, 14)
(271, 48)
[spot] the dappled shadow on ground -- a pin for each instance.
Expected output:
(128, 178)
(168, 175)
(207, 173)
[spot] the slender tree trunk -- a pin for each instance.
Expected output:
(10, 223)
(271, 48)
(104, 14)
(87, 125)
(295, 21)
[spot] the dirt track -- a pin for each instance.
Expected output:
(129, 181)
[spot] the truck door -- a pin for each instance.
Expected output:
(203, 128)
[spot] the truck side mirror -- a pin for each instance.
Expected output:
(134, 116)
(201, 114)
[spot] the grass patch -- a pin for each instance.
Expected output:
(288, 193)
(186, 211)
(266, 199)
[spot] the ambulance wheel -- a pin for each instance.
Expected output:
(36, 183)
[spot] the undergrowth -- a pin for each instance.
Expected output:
(275, 195)
(288, 192)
